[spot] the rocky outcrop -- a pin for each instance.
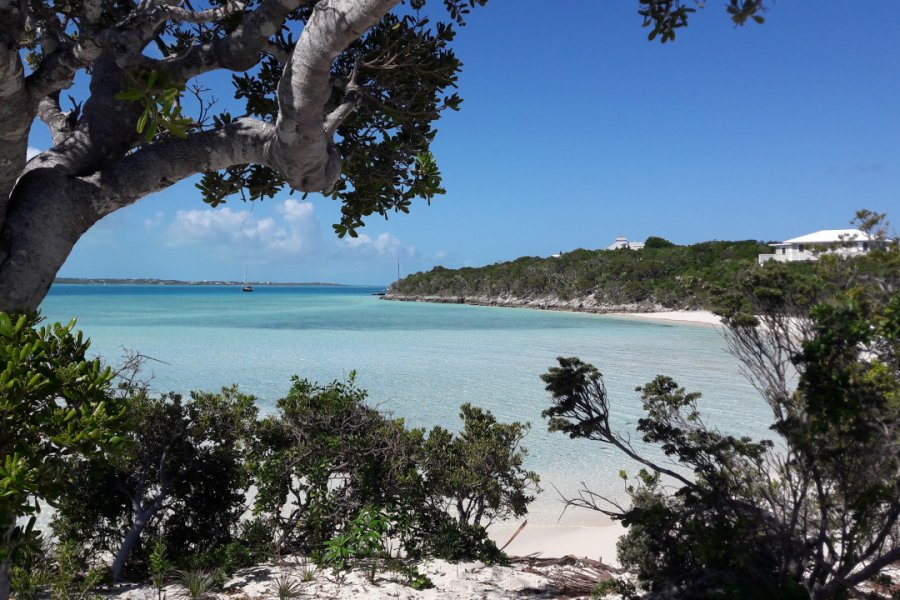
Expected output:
(587, 304)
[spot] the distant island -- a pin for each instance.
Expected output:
(142, 281)
(660, 276)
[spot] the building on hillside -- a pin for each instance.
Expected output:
(846, 242)
(623, 243)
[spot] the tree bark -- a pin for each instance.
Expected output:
(128, 544)
(48, 213)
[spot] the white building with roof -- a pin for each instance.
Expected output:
(846, 242)
(623, 243)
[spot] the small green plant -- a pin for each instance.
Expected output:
(621, 587)
(160, 566)
(412, 577)
(197, 583)
(66, 579)
(286, 587)
(30, 577)
(307, 571)
(363, 541)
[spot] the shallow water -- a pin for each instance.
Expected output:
(419, 361)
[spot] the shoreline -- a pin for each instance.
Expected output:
(639, 310)
(594, 542)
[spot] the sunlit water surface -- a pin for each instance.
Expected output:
(418, 361)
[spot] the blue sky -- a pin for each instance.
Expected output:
(575, 129)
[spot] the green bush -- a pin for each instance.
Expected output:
(181, 476)
(57, 406)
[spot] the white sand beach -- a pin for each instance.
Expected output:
(556, 541)
(544, 560)
(697, 317)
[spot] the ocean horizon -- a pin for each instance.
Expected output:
(418, 361)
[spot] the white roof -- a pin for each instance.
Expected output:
(828, 236)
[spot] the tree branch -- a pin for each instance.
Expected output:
(305, 88)
(156, 166)
(54, 118)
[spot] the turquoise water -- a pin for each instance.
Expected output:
(418, 361)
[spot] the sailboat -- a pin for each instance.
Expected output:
(247, 287)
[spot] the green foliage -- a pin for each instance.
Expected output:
(326, 459)
(57, 406)
(182, 477)
(68, 580)
(662, 274)
(657, 242)
(620, 587)
(479, 473)
(160, 566)
(385, 143)
(160, 98)
(811, 516)
(363, 541)
(366, 543)
(665, 16)
(198, 584)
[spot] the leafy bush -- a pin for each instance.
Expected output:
(57, 406)
(326, 456)
(657, 242)
(181, 476)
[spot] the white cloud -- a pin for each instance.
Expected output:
(441, 255)
(32, 152)
(294, 233)
(220, 227)
(381, 246)
(155, 221)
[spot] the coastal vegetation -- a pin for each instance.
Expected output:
(660, 275)
(810, 514)
(203, 485)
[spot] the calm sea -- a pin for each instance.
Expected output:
(418, 361)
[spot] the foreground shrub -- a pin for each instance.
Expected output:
(57, 406)
(181, 476)
(326, 457)
(811, 517)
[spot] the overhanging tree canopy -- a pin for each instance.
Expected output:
(346, 109)
(341, 98)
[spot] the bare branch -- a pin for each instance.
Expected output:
(160, 164)
(54, 118)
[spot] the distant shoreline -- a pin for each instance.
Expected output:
(138, 281)
(643, 310)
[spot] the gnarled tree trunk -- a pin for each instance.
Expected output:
(98, 163)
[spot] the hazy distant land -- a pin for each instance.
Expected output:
(142, 281)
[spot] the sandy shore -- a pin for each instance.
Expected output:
(535, 570)
(698, 317)
(553, 541)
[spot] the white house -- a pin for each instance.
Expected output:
(622, 242)
(846, 242)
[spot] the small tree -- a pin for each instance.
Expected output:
(478, 475)
(326, 457)
(182, 476)
(56, 406)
